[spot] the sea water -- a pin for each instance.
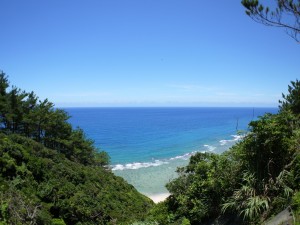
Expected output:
(146, 145)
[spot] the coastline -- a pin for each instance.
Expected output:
(156, 198)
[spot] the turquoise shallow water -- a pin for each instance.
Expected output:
(146, 145)
(150, 177)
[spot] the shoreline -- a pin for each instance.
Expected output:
(156, 198)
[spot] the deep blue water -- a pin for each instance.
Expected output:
(132, 135)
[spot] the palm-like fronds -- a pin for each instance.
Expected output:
(245, 200)
(255, 205)
(250, 201)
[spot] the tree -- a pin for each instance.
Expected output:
(283, 13)
(14, 115)
(202, 185)
(292, 99)
(23, 113)
(3, 86)
(28, 106)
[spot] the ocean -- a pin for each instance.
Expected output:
(146, 145)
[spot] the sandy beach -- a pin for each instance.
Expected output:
(159, 197)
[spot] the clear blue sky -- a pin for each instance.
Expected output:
(144, 53)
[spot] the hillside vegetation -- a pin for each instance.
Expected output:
(51, 173)
(257, 178)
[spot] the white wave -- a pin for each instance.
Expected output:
(210, 148)
(185, 156)
(138, 165)
(235, 139)
(188, 155)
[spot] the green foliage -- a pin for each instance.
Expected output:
(185, 221)
(49, 185)
(144, 223)
(161, 214)
(253, 180)
(198, 192)
(52, 174)
(246, 201)
(266, 148)
(23, 113)
(57, 222)
(296, 207)
(292, 99)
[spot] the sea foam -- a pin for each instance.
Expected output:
(154, 163)
(235, 139)
(210, 148)
(139, 165)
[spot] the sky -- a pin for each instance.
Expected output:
(99, 53)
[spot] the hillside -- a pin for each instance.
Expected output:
(51, 173)
(248, 184)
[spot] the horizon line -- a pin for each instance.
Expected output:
(166, 106)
